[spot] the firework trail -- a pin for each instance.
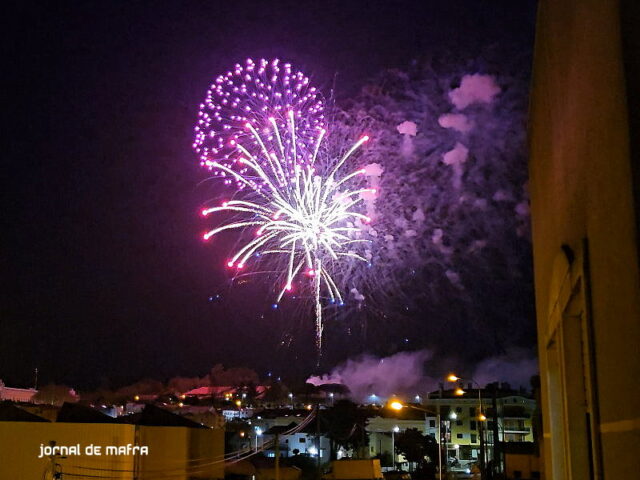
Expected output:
(298, 214)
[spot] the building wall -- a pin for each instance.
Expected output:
(585, 242)
(305, 443)
(16, 394)
(509, 425)
(179, 452)
(20, 448)
(521, 466)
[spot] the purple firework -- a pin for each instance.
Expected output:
(258, 93)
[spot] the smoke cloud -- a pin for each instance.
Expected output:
(516, 367)
(405, 373)
(401, 374)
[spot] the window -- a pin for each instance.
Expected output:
(432, 423)
(303, 440)
(474, 438)
(460, 435)
(473, 425)
(458, 422)
(570, 374)
(472, 411)
(459, 409)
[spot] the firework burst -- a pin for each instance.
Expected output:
(255, 92)
(297, 216)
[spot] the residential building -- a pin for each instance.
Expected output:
(584, 184)
(16, 394)
(462, 429)
(308, 441)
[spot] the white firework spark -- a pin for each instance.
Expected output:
(306, 215)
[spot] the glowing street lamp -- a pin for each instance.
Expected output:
(459, 391)
(258, 434)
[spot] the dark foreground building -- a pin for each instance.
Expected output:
(584, 134)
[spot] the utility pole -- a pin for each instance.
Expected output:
(54, 466)
(482, 448)
(497, 449)
(277, 456)
(440, 436)
(35, 382)
(318, 473)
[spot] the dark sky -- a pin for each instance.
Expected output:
(104, 275)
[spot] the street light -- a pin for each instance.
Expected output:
(258, 434)
(397, 405)
(291, 398)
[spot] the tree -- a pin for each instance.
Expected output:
(232, 377)
(416, 447)
(276, 393)
(147, 386)
(184, 384)
(55, 395)
(345, 425)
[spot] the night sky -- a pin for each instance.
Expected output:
(104, 275)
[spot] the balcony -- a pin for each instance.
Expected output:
(516, 429)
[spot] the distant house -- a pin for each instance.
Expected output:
(307, 441)
(16, 394)
(223, 392)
